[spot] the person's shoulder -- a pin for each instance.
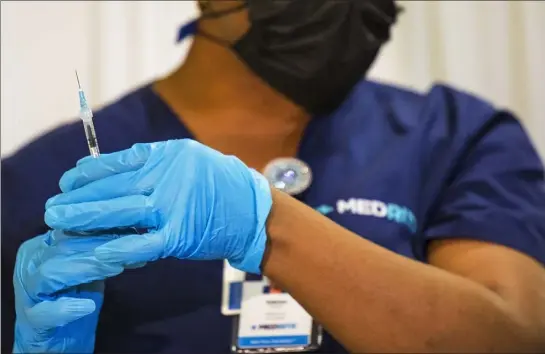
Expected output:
(442, 115)
(394, 93)
(442, 105)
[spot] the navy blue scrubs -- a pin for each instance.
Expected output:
(396, 167)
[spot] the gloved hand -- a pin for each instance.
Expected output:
(196, 203)
(56, 301)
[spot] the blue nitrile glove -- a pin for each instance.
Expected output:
(57, 300)
(196, 203)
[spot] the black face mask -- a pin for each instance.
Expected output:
(313, 51)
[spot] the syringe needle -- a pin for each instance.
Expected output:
(77, 78)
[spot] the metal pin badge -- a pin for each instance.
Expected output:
(290, 175)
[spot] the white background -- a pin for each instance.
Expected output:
(493, 48)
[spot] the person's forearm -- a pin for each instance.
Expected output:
(374, 300)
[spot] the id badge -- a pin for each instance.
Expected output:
(271, 321)
(231, 298)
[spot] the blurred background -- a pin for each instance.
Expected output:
(495, 49)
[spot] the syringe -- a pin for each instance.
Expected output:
(86, 115)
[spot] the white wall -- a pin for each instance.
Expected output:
(493, 48)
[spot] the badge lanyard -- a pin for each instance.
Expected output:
(265, 319)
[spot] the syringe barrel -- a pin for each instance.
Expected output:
(91, 137)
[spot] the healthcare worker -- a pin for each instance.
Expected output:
(423, 229)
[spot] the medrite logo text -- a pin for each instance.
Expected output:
(378, 209)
